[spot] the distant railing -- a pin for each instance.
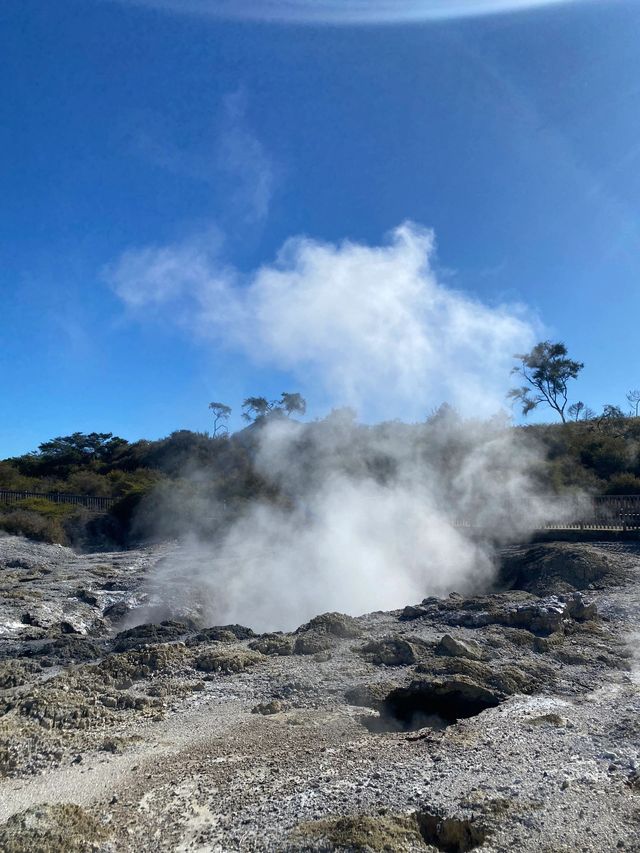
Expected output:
(610, 512)
(95, 504)
(565, 512)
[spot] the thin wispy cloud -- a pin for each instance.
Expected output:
(244, 159)
(227, 154)
(371, 326)
(345, 11)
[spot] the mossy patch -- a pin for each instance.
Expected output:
(335, 624)
(273, 644)
(393, 651)
(64, 828)
(228, 660)
(380, 833)
(160, 659)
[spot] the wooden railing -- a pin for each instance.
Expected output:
(611, 512)
(93, 503)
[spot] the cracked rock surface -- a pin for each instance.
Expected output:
(507, 721)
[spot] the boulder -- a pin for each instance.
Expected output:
(451, 647)
(556, 567)
(393, 651)
(334, 624)
(67, 649)
(149, 633)
(273, 644)
(312, 643)
(227, 661)
(222, 634)
(450, 698)
(369, 695)
(116, 612)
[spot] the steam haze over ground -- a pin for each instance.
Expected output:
(367, 515)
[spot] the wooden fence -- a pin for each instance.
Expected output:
(95, 504)
(613, 512)
(610, 512)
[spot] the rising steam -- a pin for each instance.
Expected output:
(366, 326)
(358, 517)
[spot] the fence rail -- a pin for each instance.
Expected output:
(91, 502)
(612, 512)
(609, 512)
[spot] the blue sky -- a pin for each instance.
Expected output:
(132, 134)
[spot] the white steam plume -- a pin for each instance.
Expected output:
(370, 326)
(364, 517)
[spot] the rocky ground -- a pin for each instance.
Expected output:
(498, 723)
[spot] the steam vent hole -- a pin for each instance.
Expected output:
(434, 704)
(450, 834)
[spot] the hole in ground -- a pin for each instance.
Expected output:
(450, 834)
(434, 704)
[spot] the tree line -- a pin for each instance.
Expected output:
(255, 408)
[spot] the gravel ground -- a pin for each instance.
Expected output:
(521, 731)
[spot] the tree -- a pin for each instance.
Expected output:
(575, 410)
(221, 414)
(633, 398)
(256, 407)
(611, 412)
(59, 455)
(547, 371)
(444, 415)
(293, 402)
(581, 412)
(260, 407)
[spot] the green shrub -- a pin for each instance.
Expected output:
(46, 508)
(33, 525)
(623, 484)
